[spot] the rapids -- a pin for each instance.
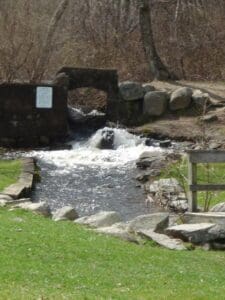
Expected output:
(91, 179)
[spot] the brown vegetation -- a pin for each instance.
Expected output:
(37, 38)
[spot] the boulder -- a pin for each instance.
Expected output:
(179, 205)
(65, 213)
(181, 98)
(157, 222)
(101, 219)
(107, 139)
(146, 175)
(165, 144)
(18, 201)
(147, 87)
(130, 90)
(167, 185)
(155, 103)
(118, 230)
(5, 197)
(217, 232)
(220, 207)
(41, 208)
(151, 142)
(209, 118)
(194, 233)
(148, 159)
(163, 240)
(3, 203)
(200, 98)
(169, 194)
(204, 217)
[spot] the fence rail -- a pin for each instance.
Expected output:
(201, 156)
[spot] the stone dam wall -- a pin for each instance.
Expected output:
(32, 114)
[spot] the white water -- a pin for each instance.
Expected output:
(91, 179)
(127, 147)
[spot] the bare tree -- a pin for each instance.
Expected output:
(157, 69)
(46, 47)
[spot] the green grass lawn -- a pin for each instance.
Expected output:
(42, 259)
(206, 173)
(9, 172)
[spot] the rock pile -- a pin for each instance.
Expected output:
(169, 194)
(157, 103)
(209, 233)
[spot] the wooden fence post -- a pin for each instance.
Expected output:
(192, 177)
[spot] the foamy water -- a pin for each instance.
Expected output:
(91, 179)
(127, 149)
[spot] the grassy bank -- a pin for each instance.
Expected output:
(9, 172)
(206, 173)
(41, 259)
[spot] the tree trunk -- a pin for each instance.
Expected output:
(43, 59)
(156, 67)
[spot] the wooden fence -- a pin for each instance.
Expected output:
(201, 156)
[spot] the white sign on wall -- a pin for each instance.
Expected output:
(44, 97)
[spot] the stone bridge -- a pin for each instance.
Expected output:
(101, 79)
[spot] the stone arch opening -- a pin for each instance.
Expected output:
(105, 80)
(88, 99)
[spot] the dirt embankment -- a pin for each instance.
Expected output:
(189, 125)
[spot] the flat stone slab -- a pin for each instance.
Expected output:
(194, 233)
(207, 217)
(157, 222)
(163, 240)
(101, 219)
(23, 186)
(28, 165)
(15, 190)
(41, 208)
(118, 230)
(5, 197)
(220, 207)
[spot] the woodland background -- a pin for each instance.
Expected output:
(37, 39)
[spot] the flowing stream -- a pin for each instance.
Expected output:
(91, 179)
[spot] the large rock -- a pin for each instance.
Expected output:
(130, 90)
(147, 87)
(169, 194)
(220, 207)
(157, 222)
(199, 98)
(205, 217)
(118, 230)
(209, 118)
(41, 208)
(163, 240)
(217, 232)
(155, 103)
(181, 98)
(3, 203)
(101, 219)
(149, 159)
(65, 213)
(5, 197)
(166, 185)
(107, 139)
(194, 233)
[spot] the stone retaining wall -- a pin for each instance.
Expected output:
(26, 123)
